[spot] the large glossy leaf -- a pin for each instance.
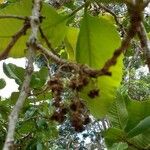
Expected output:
(97, 41)
(141, 127)
(2, 83)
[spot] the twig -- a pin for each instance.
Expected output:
(34, 22)
(15, 38)
(79, 8)
(50, 54)
(114, 15)
(109, 11)
(13, 17)
(145, 43)
(91, 72)
(135, 22)
(133, 29)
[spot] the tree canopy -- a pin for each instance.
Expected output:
(88, 53)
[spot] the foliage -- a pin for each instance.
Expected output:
(77, 87)
(129, 120)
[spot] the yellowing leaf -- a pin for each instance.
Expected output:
(97, 40)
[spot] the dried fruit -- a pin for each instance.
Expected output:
(93, 93)
(87, 120)
(78, 82)
(73, 107)
(58, 116)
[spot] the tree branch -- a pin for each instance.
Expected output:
(15, 38)
(86, 69)
(50, 54)
(135, 20)
(34, 22)
(13, 17)
(114, 15)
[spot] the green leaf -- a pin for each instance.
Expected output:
(44, 96)
(26, 127)
(129, 112)
(108, 17)
(8, 27)
(137, 111)
(4, 109)
(141, 127)
(39, 78)
(31, 112)
(32, 144)
(118, 114)
(113, 135)
(42, 124)
(54, 25)
(119, 146)
(14, 97)
(71, 41)
(142, 140)
(2, 83)
(95, 47)
(14, 72)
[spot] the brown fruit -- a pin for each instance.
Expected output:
(87, 120)
(73, 107)
(93, 93)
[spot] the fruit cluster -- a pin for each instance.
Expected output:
(75, 110)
